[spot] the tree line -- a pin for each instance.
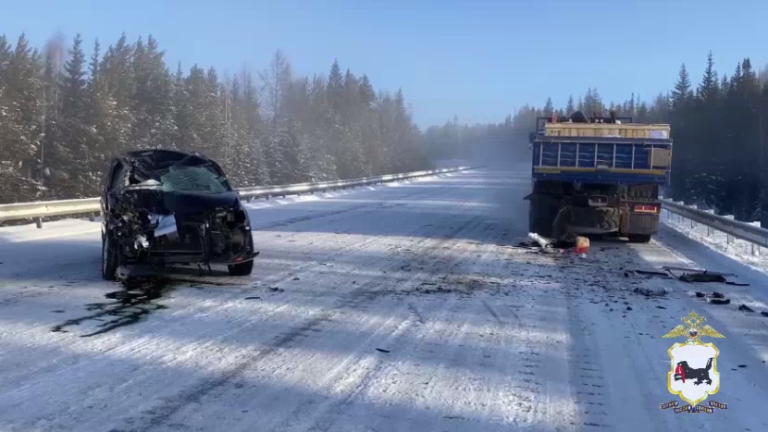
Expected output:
(65, 113)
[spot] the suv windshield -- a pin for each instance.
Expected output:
(191, 179)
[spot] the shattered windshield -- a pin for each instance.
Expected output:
(192, 179)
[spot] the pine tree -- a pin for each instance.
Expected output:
(72, 150)
(21, 130)
(570, 108)
(335, 88)
(681, 95)
(367, 95)
(549, 109)
(259, 173)
(276, 80)
(593, 103)
(154, 125)
(709, 88)
(683, 128)
(642, 113)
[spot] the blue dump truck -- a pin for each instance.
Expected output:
(598, 175)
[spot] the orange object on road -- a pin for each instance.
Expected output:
(582, 245)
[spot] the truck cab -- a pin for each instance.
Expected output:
(598, 175)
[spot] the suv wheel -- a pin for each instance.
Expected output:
(108, 258)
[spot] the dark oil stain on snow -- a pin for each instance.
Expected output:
(128, 307)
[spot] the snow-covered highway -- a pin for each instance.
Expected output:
(391, 308)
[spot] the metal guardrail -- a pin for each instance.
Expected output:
(732, 228)
(38, 210)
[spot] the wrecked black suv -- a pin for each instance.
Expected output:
(162, 207)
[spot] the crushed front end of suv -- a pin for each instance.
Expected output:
(162, 207)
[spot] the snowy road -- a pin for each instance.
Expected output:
(395, 308)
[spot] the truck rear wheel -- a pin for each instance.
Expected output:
(602, 218)
(541, 214)
(639, 238)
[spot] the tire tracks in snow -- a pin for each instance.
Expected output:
(159, 415)
(83, 369)
(330, 416)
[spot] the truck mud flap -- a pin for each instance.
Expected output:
(644, 224)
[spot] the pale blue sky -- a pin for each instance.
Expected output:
(476, 59)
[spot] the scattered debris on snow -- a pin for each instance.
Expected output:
(635, 273)
(540, 241)
(745, 308)
(701, 277)
(719, 301)
(648, 292)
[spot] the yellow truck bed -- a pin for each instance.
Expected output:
(631, 130)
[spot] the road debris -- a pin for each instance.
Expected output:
(765, 314)
(537, 240)
(745, 308)
(648, 292)
(252, 298)
(635, 273)
(382, 350)
(692, 270)
(701, 277)
(719, 301)
(582, 245)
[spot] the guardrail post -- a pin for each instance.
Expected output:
(755, 250)
(728, 239)
(693, 224)
(39, 222)
(709, 231)
(91, 217)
